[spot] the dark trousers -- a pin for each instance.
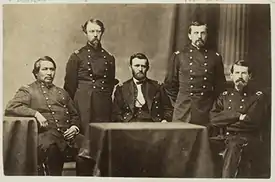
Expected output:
(237, 156)
(52, 160)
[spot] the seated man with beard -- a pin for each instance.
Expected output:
(140, 98)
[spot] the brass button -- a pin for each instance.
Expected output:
(191, 94)
(242, 100)
(157, 106)
(64, 106)
(229, 107)
(241, 107)
(103, 81)
(191, 86)
(89, 69)
(102, 88)
(190, 64)
(102, 50)
(104, 57)
(91, 75)
(191, 71)
(89, 63)
(68, 121)
(49, 106)
(89, 50)
(202, 93)
(89, 56)
(230, 100)
(44, 92)
(93, 81)
(204, 78)
(104, 76)
(205, 64)
(203, 86)
(205, 57)
(106, 62)
(67, 112)
(94, 86)
(56, 120)
(52, 112)
(190, 57)
(191, 78)
(205, 70)
(47, 98)
(191, 50)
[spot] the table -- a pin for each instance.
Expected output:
(142, 149)
(20, 146)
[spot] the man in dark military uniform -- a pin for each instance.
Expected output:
(140, 98)
(238, 114)
(90, 77)
(195, 78)
(56, 115)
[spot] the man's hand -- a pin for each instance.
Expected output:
(242, 116)
(41, 119)
(164, 121)
(71, 132)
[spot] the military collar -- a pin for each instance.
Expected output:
(245, 91)
(42, 84)
(138, 82)
(192, 48)
(89, 46)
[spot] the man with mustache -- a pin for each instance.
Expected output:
(140, 98)
(195, 78)
(57, 118)
(237, 114)
(90, 77)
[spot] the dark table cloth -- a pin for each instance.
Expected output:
(151, 149)
(20, 146)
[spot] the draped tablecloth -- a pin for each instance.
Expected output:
(20, 146)
(142, 149)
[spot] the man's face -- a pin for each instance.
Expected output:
(240, 76)
(94, 33)
(198, 35)
(139, 68)
(46, 72)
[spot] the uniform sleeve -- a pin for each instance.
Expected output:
(166, 104)
(254, 114)
(118, 105)
(219, 80)
(20, 104)
(74, 116)
(71, 80)
(219, 116)
(171, 82)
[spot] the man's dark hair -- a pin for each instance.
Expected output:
(139, 56)
(240, 63)
(36, 65)
(95, 21)
(196, 23)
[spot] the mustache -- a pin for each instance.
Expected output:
(240, 80)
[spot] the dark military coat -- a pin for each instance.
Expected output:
(53, 103)
(90, 79)
(194, 79)
(231, 104)
(156, 99)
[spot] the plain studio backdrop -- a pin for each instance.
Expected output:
(32, 31)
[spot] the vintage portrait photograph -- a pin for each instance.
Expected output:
(137, 90)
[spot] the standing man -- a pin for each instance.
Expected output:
(239, 113)
(140, 98)
(195, 78)
(57, 118)
(90, 77)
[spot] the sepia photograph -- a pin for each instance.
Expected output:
(137, 90)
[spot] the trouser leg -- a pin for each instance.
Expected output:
(232, 157)
(55, 161)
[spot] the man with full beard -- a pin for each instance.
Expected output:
(238, 113)
(195, 78)
(140, 98)
(90, 77)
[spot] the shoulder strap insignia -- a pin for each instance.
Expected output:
(217, 54)
(76, 51)
(259, 93)
(225, 93)
(177, 52)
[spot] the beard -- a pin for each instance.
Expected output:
(199, 43)
(139, 75)
(95, 42)
(240, 83)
